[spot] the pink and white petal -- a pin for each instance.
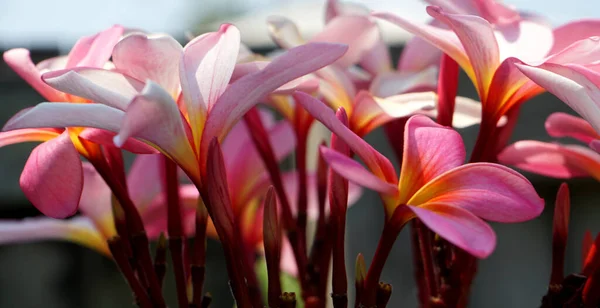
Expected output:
(429, 150)
(490, 191)
(553, 160)
(458, 226)
(561, 124)
(375, 162)
(336, 8)
(467, 112)
(154, 214)
(80, 230)
(377, 59)
(67, 115)
(27, 135)
(95, 50)
(205, 71)
(583, 52)
(284, 32)
(150, 57)
(154, 117)
(372, 112)
(239, 139)
(104, 137)
(144, 179)
(569, 33)
(247, 91)
(243, 69)
(479, 42)
(572, 85)
(305, 84)
(19, 60)
(360, 33)
(52, 64)
(444, 39)
(95, 201)
(526, 40)
(394, 83)
(418, 54)
(102, 86)
(355, 172)
(52, 178)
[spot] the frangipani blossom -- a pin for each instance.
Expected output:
(557, 160)
(488, 49)
(52, 178)
(449, 197)
(211, 106)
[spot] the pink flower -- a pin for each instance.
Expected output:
(449, 197)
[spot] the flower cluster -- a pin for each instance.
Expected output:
(212, 125)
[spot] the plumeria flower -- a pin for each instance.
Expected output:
(556, 160)
(52, 178)
(210, 106)
(390, 95)
(449, 197)
(488, 46)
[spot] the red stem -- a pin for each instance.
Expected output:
(447, 88)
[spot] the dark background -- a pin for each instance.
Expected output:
(59, 274)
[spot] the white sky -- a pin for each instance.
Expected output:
(29, 23)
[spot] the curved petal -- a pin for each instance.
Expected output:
(458, 226)
(245, 93)
(154, 116)
(418, 54)
(27, 135)
(429, 150)
(376, 163)
(80, 230)
(372, 112)
(154, 214)
(490, 191)
(553, 160)
(99, 85)
(95, 201)
(143, 179)
(52, 178)
(95, 50)
(104, 137)
(205, 71)
(52, 64)
(569, 33)
(561, 124)
(67, 115)
(394, 83)
(19, 60)
(150, 57)
(527, 40)
(284, 32)
(355, 172)
(467, 112)
(358, 32)
(572, 85)
(478, 39)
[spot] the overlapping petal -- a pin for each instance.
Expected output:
(561, 124)
(19, 60)
(52, 177)
(94, 50)
(27, 135)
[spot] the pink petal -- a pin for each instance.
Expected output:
(154, 116)
(27, 135)
(574, 85)
(245, 93)
(205, 71)
(67, 115)
(553, 160)
(458, 226)
(95, 201)
(418, 54)
(150, 57)
(355, 172)
(560, 124)
(479, 42)
(569, 33)
(358, 32)
(104, 137)
(375, 162)
(336, 8)
(101, 86)
(528, 40)
(95, 50)
(52, 64)
(20, 61)
(305, 83)
(143, 179)
(284, 32)
(377, 59)
(154, 213)
(79, 229)
(490, 191)
(467, 112)
(393, 83)
(429, 150)
(52, 177)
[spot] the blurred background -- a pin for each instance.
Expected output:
(57, 274)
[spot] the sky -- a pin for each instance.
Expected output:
(42, 23)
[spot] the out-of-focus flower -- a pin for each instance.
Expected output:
(553, 159)
(449, 197)
(52, 177)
